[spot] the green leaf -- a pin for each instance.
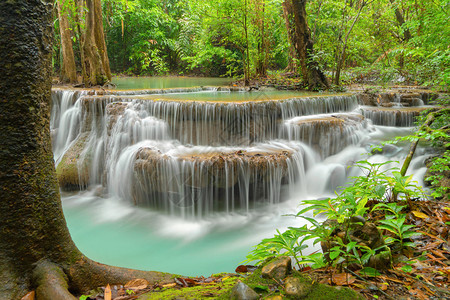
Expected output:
(407, 268)
(334, 254)
(370, 272)
(351, 246)
(380, 190)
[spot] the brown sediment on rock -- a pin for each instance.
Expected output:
(416, 110)
(328, 134)
(219, 170)
(406, 97)
(393, 116)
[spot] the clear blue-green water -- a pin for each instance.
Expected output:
(261, 95)
(159, 82)
(118, 234)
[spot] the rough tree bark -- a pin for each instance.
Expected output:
(68, 69)
(304, 47)
(290, 28)
(36, 250)
(100, 37)
(95, 55)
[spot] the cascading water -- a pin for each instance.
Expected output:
(200, 168)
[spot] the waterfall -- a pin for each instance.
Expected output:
(193, 158)
(395, 117)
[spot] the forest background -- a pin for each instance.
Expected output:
(379, 41)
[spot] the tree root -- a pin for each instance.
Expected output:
(57, 282)
(86, 274)
(51, 282)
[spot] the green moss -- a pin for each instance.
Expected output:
(326, 292)
(210, 291)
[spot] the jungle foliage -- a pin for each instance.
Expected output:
(354, 40)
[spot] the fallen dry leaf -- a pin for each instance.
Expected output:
(419, 214)
(29, 296)
(418, 293)
(169, 285)
(137, 284)
(107, 295)
(343, 279)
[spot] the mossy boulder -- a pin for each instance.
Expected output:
(295, 285)
(73, 169)
(277, 268)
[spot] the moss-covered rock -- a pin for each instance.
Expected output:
(73, 169)
(278, 268)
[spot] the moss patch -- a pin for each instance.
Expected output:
(209, 291)
(326, 292)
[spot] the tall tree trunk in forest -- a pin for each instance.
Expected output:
(68, 68)
(36, 250)
(247, 46)
(290, 28)
(100, 37)
(95, 55)
(78, 17)
(312, 75)
(261, 63)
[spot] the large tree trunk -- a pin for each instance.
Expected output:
(96, 59)
(290, 28)
(68, 69)
(311, 72)
(100, 37)
(78, 17)
(36, 250)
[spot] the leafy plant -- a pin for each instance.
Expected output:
(398, 227)
(379, 182)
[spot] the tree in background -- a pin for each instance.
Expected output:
(381, 40)
(82, 20)
(68, 68)
(96, 62)
(303, 44)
